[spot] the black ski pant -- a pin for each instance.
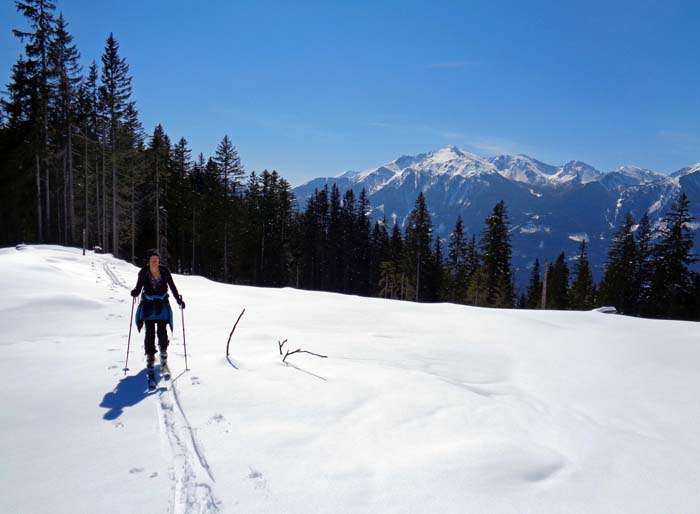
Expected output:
(150, 340)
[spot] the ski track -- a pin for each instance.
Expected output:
(113, 277)
(193, 479)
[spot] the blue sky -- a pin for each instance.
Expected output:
(317, 88)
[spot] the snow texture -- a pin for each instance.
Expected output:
(418, 408)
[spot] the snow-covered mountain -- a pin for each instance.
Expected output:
(551, 208)
(417, 407)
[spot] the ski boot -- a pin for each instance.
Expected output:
(164, 369)
(150, 374)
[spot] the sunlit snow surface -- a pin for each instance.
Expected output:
(417, 409)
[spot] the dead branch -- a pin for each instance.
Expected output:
(299, 350)
(281, 345)
(232, 330)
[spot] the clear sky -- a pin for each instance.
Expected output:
(317, 88)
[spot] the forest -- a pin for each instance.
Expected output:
(77, 168)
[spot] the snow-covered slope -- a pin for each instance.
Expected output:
(418, 408)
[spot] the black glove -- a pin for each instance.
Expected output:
(134, 293)
(181, 302)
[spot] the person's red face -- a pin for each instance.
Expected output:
(153, 261)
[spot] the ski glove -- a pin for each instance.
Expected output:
(134, 293)
(181, 302)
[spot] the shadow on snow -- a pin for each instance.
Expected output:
(129, 391)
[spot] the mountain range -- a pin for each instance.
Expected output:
(551, 208)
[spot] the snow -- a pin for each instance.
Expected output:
(417, 408)
(579, 237)
(531, 228)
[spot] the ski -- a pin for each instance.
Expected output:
(151, 381)
(165, 372)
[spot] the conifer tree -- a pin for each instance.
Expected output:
(558, 284)
(618, 287)
(582, 287)
(456, 279)
(496, 254)
(417, 251)
(40, 16)
(644, 269)
(115, 93)
(673, 279)
(533, 298)
(231, 173)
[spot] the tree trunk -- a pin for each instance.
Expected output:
(48, 200)
(98, 220)
(104, 203)
(133, 219)
(115, 213)
(71, 191)
(40, 215)
(157, 203)
(194, 237)
(65, 198)
(86, 233)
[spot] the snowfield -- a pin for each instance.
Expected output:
(417, 409)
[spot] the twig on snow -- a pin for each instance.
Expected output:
(232, 330)
(299, 350)
(281, 345)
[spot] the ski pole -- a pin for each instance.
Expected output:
(128, 344)
(184, 341)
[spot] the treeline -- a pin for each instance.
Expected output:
(648, 272)
(77, 163)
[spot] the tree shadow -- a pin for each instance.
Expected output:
(129, 391)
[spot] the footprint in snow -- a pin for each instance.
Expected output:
(135, 470)
(153, 475)
(118, 424)
(195, 380)
(254, 473)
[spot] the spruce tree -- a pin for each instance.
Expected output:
(40, 16)
(456, 279)
(231, 173)
(496, 254)
(644, 269)
(582, 287)
(66, 74)
(533, 298)
(618, 287)
(115, 94)
(558, 284)
(417, 251)
(673, 279)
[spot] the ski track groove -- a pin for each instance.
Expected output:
(194, 481)
(112, 277)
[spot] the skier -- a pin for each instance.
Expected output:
(154, 309)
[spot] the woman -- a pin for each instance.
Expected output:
(154, 309)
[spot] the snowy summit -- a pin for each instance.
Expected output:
(417, 407)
